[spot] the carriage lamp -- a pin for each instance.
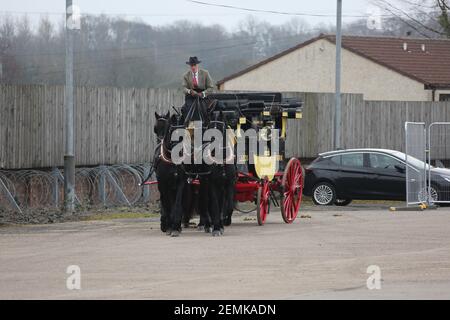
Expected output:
(292, 113)
(266, 114)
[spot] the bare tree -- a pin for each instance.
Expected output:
(443, 18)
(427, 18)
(110, 51)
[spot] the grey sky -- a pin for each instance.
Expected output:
(157, 12)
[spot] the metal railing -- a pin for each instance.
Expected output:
(438, 145)
(416, 173)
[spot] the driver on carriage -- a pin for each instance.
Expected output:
(196, 83)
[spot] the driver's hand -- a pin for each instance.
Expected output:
(193, 93)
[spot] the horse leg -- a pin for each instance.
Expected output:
(166, 206)
(199, 207)
(164, 214)
(188, 205)
(229, 195)
(177, 209)
(229, 203)
(221, 202)
(203, 199)
(214, 209)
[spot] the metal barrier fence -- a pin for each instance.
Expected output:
(438, 144)
(416, 167)
(102, 186)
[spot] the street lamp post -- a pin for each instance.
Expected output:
(337, 94)
(69, 153)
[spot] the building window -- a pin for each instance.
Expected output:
(444, 97)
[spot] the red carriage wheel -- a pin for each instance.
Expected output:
(262, 201)
(292, 187)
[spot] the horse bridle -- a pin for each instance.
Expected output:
(160, 138)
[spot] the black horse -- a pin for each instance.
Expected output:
(215, 193)
(178, 196)
(166, 171)
(223, 169)
(209, 177)
(194, 197)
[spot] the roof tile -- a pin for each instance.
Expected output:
(425, 60)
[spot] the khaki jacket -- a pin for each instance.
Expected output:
(205, 82)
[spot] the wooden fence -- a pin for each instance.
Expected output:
(115, 125)
(365, 124)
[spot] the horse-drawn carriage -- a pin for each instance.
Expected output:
(270, 172)
(257, 173)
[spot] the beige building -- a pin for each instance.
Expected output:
(380, 68)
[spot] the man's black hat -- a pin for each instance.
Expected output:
(193, 61)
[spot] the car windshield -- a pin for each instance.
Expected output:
(411, 160)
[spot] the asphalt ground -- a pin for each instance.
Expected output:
(325, 254)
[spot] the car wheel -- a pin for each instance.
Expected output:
(342, 202)
(323, 194)
(423, 194)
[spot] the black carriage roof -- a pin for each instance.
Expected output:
(253, 96)
(256, 99)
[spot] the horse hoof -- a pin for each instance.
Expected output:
(200, 227)
(208, 229)
(168, 232)
(175, 233)
(216, 233)
(222, 231)
(227, 221)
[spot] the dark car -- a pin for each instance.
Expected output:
(338, 177)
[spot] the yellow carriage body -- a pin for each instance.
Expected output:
(266, 166)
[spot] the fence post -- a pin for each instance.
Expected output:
(415, 177)
(61, 178)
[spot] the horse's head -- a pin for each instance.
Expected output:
(161, 125)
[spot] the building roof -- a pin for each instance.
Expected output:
(424, 60)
